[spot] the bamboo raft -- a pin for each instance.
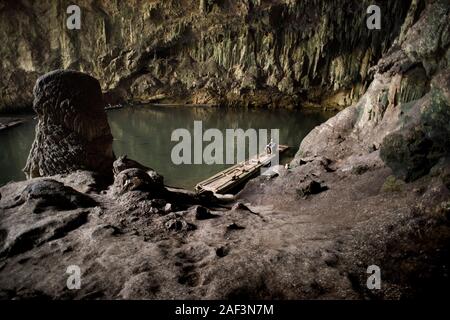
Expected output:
(114, 107)
(227, 179)
(10, 124)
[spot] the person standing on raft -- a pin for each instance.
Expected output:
(271, 147)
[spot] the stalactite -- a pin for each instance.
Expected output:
(309, 46)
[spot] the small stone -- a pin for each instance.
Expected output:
(240, 206)
(234, 226)
(309, 188)
(201, 213)
(168, 208)
(177, 224)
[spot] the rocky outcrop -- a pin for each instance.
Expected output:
(30, 213)
(309, 233)
(73, 131)
(418, 146)
(270, 244)
(123, 162)
(263, 53)
(405, 110)
(138, 179)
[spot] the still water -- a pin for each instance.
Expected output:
(144, 134)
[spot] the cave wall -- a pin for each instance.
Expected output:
(254, 52)
(404, 116)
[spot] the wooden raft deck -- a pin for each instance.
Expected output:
(11, 124)
(237, 174)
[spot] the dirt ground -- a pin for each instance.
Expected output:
(277, 243)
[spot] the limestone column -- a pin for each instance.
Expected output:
(73, 131)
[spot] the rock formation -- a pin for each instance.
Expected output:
(309, 233)
(138, 179)
(406, 109)
(73, 131)
(262, 53)
(123, 162)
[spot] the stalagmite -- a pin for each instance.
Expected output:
(73, 132)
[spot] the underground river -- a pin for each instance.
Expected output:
(144, 134)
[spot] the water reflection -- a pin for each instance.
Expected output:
(144, 134)
(15, 144)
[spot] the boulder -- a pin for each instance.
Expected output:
(22, 235)
(123, 162)
(45, 194)
(202, 213)
(310, 187)
(406, 154)
(73, 131)
(137, 180)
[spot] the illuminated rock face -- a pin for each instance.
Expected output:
(405, 112)
(73, 131)
(264, 53)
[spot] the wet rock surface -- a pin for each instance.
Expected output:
(202, 213)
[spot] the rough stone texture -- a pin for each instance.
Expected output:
(278, 245)
(44, 210)
(73, 131)
(263, 53)
(50, 193)
(122, 163)
(396, 101)
(407, 156)
(419, 145)
(310, 187)
(293, 248)
(137, 179)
